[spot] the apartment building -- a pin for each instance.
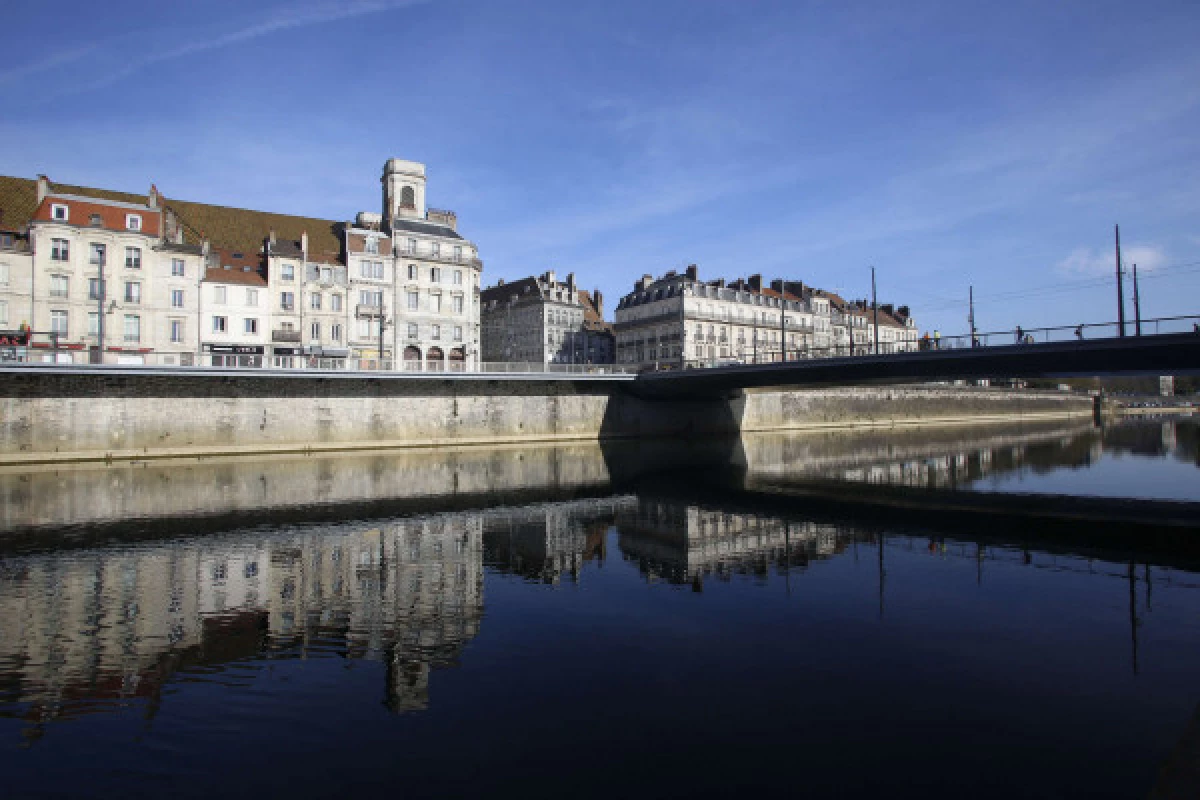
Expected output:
(546, 321)
(680, 321)
(138, 279)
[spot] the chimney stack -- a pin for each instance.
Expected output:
(272, 236)
(152, 197)
(571, 283)
(755, 283)
(598, 302)
(692, 273)
(43, 188)
(304, 243)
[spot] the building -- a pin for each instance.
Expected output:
(542, 320)
(680, 321)
(137, 278)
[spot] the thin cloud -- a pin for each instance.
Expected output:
(1087, 261)
(277, 20)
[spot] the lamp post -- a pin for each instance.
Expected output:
(383, 323)
(99, 311)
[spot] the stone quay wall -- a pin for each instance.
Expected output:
(64, 416)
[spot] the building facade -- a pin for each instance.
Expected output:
(542, 320)
(103, 275)
(680, 321)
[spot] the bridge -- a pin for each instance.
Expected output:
(1155, 354)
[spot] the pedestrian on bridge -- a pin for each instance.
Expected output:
(1020, 335)
(937, 339)
(1079, 332)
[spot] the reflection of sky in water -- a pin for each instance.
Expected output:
(1112, 475)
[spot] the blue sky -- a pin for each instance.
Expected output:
(947, 144)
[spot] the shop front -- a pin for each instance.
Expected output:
(326, 357)
(287, 357)
(235, 355)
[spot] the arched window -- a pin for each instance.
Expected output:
(408, 198)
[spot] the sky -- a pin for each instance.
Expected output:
(947, 144)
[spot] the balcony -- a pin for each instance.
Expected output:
(285, 336)
(363, 310)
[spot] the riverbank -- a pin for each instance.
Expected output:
(50, 418)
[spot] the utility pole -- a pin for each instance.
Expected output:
(782, 320)
(100, 308)
(382, 325)
(875, 308)
(1137, 305)
(1120, 288)
(971, 312)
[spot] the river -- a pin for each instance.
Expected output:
(944, 612)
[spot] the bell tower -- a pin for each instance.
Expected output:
(403, 190)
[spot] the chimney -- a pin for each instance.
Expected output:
(304, 243)
(43, 188)
(691, 272)
(644, 283)
(571, 283)
(755, 283)
(598, 302)
(549, 276)
(777, 285)
(272, 236)
(887, 308)
(719, 283)
(152, 197)
(205, 248)
(904, 312)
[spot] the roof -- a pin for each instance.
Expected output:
(525, 287)
(224, 226)
(591, 318)
(243, 267)
(427, 228)
(111, 216)
(222, 275)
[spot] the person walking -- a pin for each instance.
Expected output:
(937, 339)
(1020, 335)
(1079, 332)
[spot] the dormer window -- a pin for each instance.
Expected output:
(371, 246)
(59, 212)
(133, 222)
(95, 221)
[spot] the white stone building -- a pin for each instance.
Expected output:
(542, 320)
(681, 321)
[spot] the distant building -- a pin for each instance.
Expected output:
(545, 321)
(680, 321)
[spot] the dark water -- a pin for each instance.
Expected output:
(634, 620)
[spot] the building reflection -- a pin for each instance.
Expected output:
(685, 543)
(87, 630)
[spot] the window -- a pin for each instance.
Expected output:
(220, 324)
(96, 254)
(458, 333)
(93, 324)
(412, 247)
(251, 325)
(3, 274)
(413, 330)
(408, 198)
(364, 327)
(287, 272)
(435, 302)
(335, 302)
(457, 252)
(335, 333)
(176, 330)
(287, 300)
(133, 328)
(94, 289)
(314, 301)
(371, 270)
(412, 272)
(413, 301)
(373, 299)
(287, 326)
(133, 222)
(59, 212)
(314, 332)
(60, 250)
(435, 274)
(58, 285)
(133, 257)
(177, 267)
(458, 277)
(219, 295)
(252, 297)
(4, 313)
(326, 274)
(133, 292)
(435, 331)
(458, 304)
(177, 298)
(95, 221)
(371, 245)
(436, 249)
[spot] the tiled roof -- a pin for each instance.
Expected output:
(222, 275)
(591, 319)
(517, 289)
(113, 217)
(235, 228)
(427, 228)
